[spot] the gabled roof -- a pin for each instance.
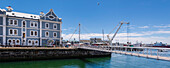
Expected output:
(51, 11)
(25, 15)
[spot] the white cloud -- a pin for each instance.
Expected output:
(144, 27)
(122, 36)
(163, 26)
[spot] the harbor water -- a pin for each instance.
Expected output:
(115, 61)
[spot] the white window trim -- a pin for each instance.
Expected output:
(46, 35)
(53, 34)
(14, 22)
(37, 42)
(14, 32)
(12, 42)
(9, 31)
(46, 26)
(16, 42)
(51, 18)
(54, 25)
(29, 43)
(31, 23)
(25, 23)
(8, 41)
(36, 23)
(10, 22)
(30, 32)
(34, 33)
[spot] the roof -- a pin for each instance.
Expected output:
(25, 15)
(2, 9)
(84, 40)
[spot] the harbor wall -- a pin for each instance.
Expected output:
(46, 54)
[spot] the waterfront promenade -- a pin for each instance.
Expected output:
(37, 48)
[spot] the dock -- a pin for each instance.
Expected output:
(37, 48)
(146, 55)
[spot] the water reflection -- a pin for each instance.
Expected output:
(115, 61)
(63, 63)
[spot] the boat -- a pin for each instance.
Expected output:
(160, 44)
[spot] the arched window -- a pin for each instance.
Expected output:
(47, 34)
(32, 33)
(23, 23)
(35, 33)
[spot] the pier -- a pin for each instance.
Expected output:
(148, 52)
(8, 54)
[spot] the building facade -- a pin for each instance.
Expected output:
(28, 29)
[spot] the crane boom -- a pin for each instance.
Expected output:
(110, 40)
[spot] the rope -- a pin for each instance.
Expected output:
(73, 33)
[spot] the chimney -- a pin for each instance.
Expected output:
(9, 9)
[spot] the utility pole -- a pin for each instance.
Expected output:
(79, 32)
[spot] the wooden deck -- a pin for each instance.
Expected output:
(132, 54)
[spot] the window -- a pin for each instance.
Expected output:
(46, 25)
(23, 34)
(15, 32)
(17, 41)
(11, 32)
(51, 17)
(23, 40)
(32, 33)
(13, 13)
(23, 23)
(55, 26)
(29, 41)
(11, 22)
(15, 22)
(36, 42)
(54, 34)
(35, 33)
(9, 41)
(47, 34)
(33, 24)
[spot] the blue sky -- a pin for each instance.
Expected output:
(149, 18)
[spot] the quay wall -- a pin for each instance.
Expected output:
(42, 54)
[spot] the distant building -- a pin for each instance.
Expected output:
(95, 40)
(85, 41)
(18, 28)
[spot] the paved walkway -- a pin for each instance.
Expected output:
(36, 48)
(129, 53)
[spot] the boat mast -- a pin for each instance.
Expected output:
(79, 32)
(103, 34)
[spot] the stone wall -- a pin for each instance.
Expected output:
(41, 54)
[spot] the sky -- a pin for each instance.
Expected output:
(149, 19)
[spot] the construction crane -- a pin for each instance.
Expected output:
(120, 24)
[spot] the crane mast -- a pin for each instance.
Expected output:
(110, 40)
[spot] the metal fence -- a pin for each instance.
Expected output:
(149, 52)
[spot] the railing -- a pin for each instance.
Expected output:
(149, 52)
